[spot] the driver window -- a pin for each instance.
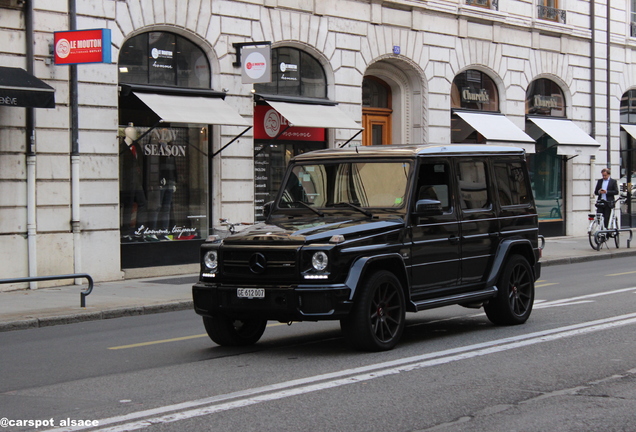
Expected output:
(433, 183)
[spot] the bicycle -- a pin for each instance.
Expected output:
(596, 231)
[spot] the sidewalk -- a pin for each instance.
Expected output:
(24, 309)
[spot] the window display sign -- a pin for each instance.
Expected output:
(268, 123)
(82, 46)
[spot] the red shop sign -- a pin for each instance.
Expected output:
(268, 123)
(82, 46)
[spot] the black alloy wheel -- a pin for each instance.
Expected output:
(515, 299)
(377, 319)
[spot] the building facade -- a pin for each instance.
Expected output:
(147, 173)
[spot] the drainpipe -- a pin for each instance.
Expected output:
(609, 98)
(592, 179)
(30, 153)
(593, 67)
(592, 97)
(75, 155)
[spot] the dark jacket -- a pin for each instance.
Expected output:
(612, 188)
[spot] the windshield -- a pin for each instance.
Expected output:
(347, 185)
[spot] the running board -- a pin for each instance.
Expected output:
(469, 297)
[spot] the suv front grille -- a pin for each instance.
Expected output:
(253, 264)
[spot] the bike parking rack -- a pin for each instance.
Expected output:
(83, 294)
(597, 236)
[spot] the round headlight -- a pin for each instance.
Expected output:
(319, 261)
(210, 259)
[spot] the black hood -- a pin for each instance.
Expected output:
(314, 230)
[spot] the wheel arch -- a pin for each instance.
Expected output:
(362, 267)
(506, 249)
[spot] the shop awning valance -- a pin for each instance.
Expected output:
(497, 128)
(571, 139)
(192, 109)
(18, 88)
(314, 115)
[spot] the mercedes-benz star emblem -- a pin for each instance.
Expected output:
(258, 263)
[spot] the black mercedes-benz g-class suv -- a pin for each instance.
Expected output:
(364, 235)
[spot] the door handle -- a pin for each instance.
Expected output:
(453, 239)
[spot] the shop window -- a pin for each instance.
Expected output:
(164, 59)
(545, 97)
(471, 90)
(295, 73)
(164, 177)
(163, 183)
(628, 107)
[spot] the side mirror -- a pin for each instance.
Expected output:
(267, 208)
(428, 207)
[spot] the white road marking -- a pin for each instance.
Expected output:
(207, 406)
(581, 299)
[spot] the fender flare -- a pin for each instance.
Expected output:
(360, 266)
(503, 251)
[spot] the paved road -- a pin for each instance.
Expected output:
(572, 367)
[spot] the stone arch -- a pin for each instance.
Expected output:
(409, 95)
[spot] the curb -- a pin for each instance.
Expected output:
(120, 312)
(587, 258)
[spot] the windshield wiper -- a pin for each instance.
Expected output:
(355, 207)
(318, 212)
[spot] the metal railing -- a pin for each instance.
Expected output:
(83, 294)
(551, 14)
(487, 4)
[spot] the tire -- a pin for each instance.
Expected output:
(594, 228)
(226, 331)
(513, 304)
(376, 322)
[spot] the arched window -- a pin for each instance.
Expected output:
(163, 59)
(295, 73)
(375, 93)
(545, 97)
(628, 107)
(473, 89)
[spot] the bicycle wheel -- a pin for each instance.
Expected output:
(595, 242)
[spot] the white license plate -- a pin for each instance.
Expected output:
(250, 293)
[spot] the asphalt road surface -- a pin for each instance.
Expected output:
(571, 367)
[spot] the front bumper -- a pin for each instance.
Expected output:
(281, 303)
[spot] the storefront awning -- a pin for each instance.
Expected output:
(630, 129)
(314, 115)
(571, 139)
(18, 88)
(192, 109)
(498, 128)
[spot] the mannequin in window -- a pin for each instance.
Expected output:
(161, 169)
(132, 195)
